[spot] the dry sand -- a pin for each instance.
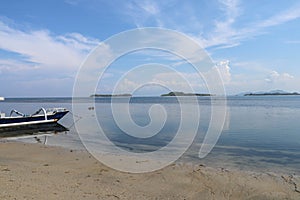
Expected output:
(33, 171)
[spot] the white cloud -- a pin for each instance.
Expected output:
(45, 49)
(149, 79)
(37, 57)
(224, 71)
(127, 86)
(274, 76)
(9, 65)
(178, 81)
(259, 79)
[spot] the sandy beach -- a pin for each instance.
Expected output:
(35, 171)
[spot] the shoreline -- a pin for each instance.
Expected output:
(217, 159)
(36, 171)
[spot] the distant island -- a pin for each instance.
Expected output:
(171, 94)
(110, 95)
(175, 93)
(274, 92)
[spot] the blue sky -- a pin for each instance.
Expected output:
(255, 44)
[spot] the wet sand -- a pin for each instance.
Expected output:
(35, 171)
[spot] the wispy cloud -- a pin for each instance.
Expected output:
(72, 2)
(236, 35)
(149, 6)
(45, 49)
(39, 55)
(292, 42)
(225, 31)
(141, 11)
(226, 35)
(282, 17)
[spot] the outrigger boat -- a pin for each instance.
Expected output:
(42, 116)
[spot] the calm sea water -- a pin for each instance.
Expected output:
(261, 133)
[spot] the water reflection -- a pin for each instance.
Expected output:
(36, 129)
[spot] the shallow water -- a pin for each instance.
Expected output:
(260, 133)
